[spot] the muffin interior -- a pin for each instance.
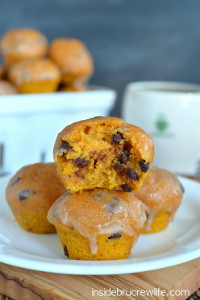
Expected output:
(100, 155)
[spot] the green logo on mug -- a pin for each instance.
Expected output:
(161, 127)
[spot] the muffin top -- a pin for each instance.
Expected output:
(6, 88)
(23, 43)
(34, 187)
(34, 70)
(99, 211)
(161, 190)
(72, 57)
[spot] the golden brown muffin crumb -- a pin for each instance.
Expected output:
(103, 153)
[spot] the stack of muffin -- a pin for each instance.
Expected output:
(32, 66)
(113, 194)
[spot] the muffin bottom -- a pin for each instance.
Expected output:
(40, 87)
(76, 246)
(34, 221)
(160, 222)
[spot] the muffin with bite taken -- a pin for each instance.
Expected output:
(103, 152)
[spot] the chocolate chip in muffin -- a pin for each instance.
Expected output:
(124, 157)
(144, 166)
(25, 194)
(132, 174)
(15, 181)
(126, 187)
(118, 167)
(66, 251)
(114, 236)
(114, 205)
(116, 138)
(65, 146)
(81, 162)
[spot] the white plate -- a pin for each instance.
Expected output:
(179, 243)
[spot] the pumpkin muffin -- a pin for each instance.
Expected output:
(103, 152)
(23, 43)
(161, 194)
(6, 88)
(35, 76)
(98, 224)
(73, 58)
(30, 194)
(2, 72)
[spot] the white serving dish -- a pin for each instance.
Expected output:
(29, 123)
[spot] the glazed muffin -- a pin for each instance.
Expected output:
(103, 152)
(30, 194)
(161, 194)
(23, 43)
(73, 58)
(98, 224)
(6, 88)
(35, 76)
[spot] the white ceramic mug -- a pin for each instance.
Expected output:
(170, 113)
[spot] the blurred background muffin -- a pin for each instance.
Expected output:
(35, 76)
(23, 43)
(6, 88)
(161, 194)
(73, 59)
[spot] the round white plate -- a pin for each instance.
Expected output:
(179, 243)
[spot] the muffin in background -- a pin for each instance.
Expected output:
(35, 76)
(98, 224)
(6, 88)
(74, 60)
(161, 194)
(23, 43)
(31, 192)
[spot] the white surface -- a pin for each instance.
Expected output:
(36, 119)
(179, 243)
(177, 147)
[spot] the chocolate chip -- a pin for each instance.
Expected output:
(79, 175)
(116, 138)
(15, 181)
(81, 162)
(25, 194)
(66, 251)
(124, 157)
(65, 146)
(118, 167)
(132, 174)
(182, 188)
(126, 187)
(95, 163)
(114, 205)
(114, 236)
(127, 146)
(144, 166)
